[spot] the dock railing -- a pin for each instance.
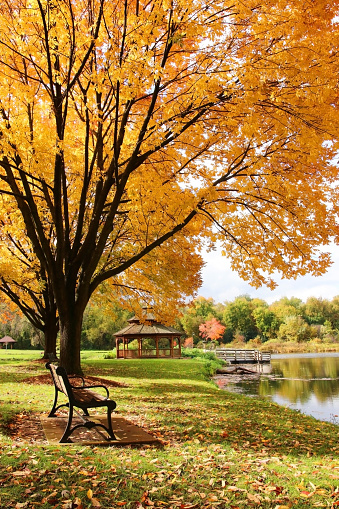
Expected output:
(235, 356)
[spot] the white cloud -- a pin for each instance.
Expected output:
(221, 283)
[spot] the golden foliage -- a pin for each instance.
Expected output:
(126, 123)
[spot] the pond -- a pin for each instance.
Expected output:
(305, 382)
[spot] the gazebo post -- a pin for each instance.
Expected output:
(157, 346)
(179, 342)
(172, 347)
(139, 347)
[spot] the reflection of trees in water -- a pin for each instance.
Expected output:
(318, 367)
(300, 378)
(325, 389)
(293, 390)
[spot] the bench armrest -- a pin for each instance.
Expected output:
(95, 387)
(79, 377)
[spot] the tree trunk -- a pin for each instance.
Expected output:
(50, 335)
(70, 337)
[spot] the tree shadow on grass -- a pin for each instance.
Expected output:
(148, 369)
(219, 417)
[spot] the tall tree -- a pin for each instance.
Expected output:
(24, 282)
(266, 321)
(286, 307)
(126, 123)
(238, 317)
(39, 307)
(317, 310)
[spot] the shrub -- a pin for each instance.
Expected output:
(111, 355)
(197, 352)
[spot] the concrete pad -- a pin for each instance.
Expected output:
(126, 432)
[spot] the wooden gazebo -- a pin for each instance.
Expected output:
(166, 340)
(7, 340)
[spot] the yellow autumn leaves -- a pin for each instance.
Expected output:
(123, 124)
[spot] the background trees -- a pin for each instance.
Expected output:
(15, 325)
(101, 321)
(286, 320)
(127, 127)
(238, 317)
(266, 321)
(203, 317)
(201, 311)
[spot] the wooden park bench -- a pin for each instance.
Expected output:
(81, 397)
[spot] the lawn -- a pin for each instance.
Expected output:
(220, 450)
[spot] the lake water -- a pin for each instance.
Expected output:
(305, 382)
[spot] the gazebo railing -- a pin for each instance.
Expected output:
(150, 353)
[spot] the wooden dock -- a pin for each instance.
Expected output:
(243, 356)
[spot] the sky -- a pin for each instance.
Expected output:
(222, 284)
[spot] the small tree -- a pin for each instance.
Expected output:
(188, 343)
(212, 330)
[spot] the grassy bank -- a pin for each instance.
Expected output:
(294, 347)
(219, 449)
(274, 346)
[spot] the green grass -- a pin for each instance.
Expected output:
(12, 356)
(221, 450)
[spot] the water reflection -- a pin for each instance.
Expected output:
(309, 383)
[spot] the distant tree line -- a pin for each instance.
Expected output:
(204, 322)
(15, 325)
(100, 323)
(245, 319)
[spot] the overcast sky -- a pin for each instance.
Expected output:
(221, 283)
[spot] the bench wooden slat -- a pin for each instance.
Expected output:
(84, 396)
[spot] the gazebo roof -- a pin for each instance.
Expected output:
(150, 328)
(7, 339)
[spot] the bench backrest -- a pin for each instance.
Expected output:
(60, 378)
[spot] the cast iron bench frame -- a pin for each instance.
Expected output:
(80, 397)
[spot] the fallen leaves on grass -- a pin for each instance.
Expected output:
(90, 380)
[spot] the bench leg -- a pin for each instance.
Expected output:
(109, 424)
(65, 437)
(55, 407)
(88, 424)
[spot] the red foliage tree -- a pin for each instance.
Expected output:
(212, 329)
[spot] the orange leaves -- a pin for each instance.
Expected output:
(212, 329)
(155, 120)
